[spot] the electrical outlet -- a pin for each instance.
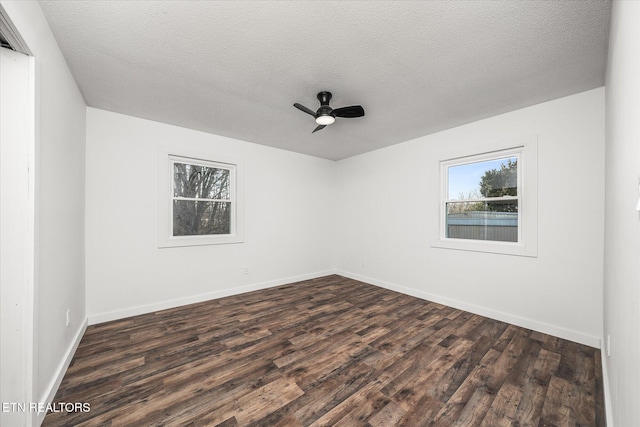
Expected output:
(68, 317)
(245, 270)
(364, 262)
(608, 345)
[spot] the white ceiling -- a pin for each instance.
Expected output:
(235, 68)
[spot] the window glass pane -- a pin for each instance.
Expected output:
(201, 182)
(494, 220)
(193, 218)
(491, 178)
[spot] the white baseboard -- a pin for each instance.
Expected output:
(177, 302)
(608, 409)
(52, 388)
(535, 325)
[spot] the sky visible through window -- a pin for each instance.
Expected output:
(465, 179)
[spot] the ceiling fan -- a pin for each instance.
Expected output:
(326, 115)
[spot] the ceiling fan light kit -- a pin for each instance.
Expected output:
(325, 115)
(325, 120)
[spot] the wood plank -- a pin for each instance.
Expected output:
(535, 388)
(257, 404)
(355, 402)
(503, 410)
(424, 381)
(422, 413)
(327, 351)
(565, 405)
(389, 415)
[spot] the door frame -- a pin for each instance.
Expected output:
(17, 228)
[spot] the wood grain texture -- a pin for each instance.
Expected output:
(327, 352)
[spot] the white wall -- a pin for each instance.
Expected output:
(60, 180)
(622, 231)
(288, 201)
(387, 199)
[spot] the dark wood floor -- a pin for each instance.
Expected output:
(327, 352)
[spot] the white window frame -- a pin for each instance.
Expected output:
(527, 245)
(166, 197)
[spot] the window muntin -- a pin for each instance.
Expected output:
(483, 198)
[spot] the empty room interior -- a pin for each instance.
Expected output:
(266, 213)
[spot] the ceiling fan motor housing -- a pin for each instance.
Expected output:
(324, 110)
(324, 97)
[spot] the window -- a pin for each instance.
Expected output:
(199, 203)
(488, 201)
(482, 199)
(202, 203)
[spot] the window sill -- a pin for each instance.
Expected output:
(181, 241)
(501, 248)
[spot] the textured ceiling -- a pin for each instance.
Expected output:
(235, 68)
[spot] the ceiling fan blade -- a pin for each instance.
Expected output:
(305, 109)
(349, 112)
(320, 127)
